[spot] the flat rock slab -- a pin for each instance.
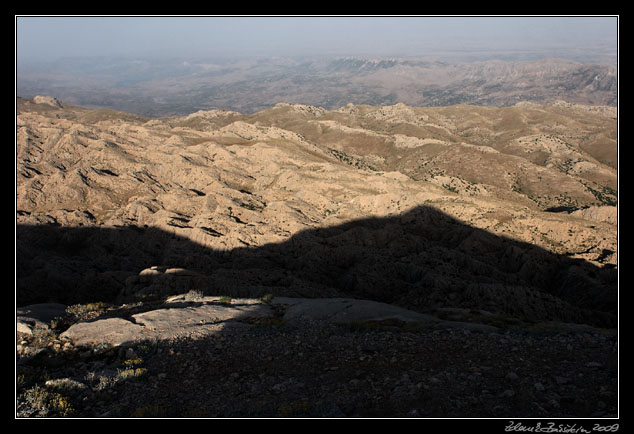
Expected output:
(346, 310)
(113, 331)
(37, 316)
(181, 319)
(172, 321)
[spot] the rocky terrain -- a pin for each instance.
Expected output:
(387, 261)
(310, 358)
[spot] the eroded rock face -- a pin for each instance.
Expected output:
(420, 208)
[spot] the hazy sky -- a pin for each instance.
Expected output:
(47, 38)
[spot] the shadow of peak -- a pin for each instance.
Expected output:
(421, 260)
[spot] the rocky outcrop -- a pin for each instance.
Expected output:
(603, 214)
(196, 316)
(48, 100)
(176, 319)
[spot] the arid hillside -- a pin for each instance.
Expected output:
(368, 261)
(506, 209)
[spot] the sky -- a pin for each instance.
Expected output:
(53, 37)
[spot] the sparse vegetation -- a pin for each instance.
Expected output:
(193, 295)
(606, 196)
(43, 403)
(128, 373)
(253, 206)
(82, 309)
(225, 299)
(450, 188)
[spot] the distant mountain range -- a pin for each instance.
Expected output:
(177, 87)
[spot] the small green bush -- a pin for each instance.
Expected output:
(225, 299)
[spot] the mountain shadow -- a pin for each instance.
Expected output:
(422, 259)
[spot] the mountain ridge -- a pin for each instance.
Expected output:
(226, 180)
(369, 261)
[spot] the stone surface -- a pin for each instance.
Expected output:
(342, 310)
(186, 318)
(112, 331)
(36, 316)
(180, 319)
(207, 315)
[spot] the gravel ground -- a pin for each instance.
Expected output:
(273, 369)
